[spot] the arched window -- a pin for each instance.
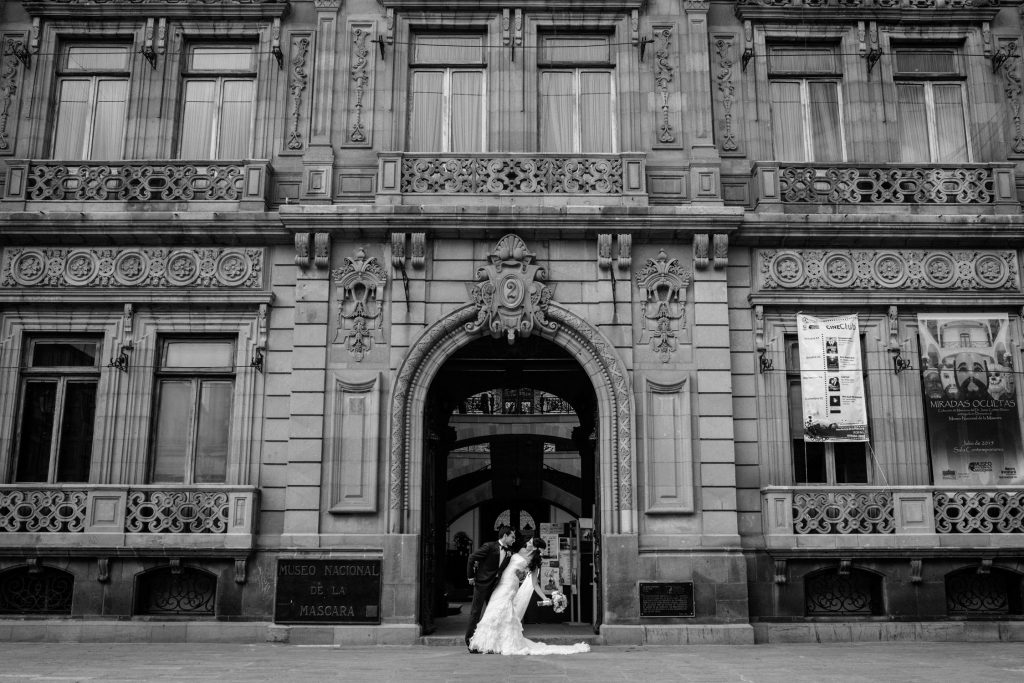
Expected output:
(996, 592)
(176, 590)
(854, 592)
(32, 590)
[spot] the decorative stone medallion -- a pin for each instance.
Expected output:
(360, 311)
(662, 284)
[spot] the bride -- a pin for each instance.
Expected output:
(501, 628)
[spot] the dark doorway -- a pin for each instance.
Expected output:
(510, 438)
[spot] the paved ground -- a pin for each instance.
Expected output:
(863, 663)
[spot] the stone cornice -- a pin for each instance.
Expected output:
(190, 9)
(829, 11)
(498, 5)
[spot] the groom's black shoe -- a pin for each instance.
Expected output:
(472, 651)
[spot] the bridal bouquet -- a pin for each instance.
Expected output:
(559, 602)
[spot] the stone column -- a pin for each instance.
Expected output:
(318, 161)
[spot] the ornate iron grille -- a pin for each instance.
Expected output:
(168, 591)
(994, 593)
(24, 590)
(830, 594)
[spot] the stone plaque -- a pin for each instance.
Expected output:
(327, 592)
(666, 599)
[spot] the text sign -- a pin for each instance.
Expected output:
(666, 599)
(327, 592)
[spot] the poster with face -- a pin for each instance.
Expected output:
(970, 399)
(831, 379)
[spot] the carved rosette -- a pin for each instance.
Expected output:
(135, 267)
(511, 298)
(662, 283)
(360, 309)
(876, 269)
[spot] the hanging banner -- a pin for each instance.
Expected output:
(831, 379)
(970, 399)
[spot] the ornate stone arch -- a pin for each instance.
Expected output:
(582, 340)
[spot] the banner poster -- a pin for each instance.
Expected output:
(970, 399)
(831, 379)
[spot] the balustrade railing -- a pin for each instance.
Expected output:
(922, 511)
(138, 181)
(870, 4)
(151, 510)
(600, 175)
(878, 185)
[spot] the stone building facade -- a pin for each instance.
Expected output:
(287, 282)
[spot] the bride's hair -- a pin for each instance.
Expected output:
(538, 545)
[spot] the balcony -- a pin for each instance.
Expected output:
(161, 185)
(866, 517)
(546, 179)
(132, 518)
(870, 188)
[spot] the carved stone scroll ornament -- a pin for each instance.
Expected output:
(10, 67)
(360, 309)
(1009, 65)
(300, 78)
(511, 298)
(663, 75)
(662, 286)
(726, 89)
(360, 80)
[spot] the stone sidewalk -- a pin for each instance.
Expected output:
(860, 662)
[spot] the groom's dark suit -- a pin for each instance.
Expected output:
(484, 567)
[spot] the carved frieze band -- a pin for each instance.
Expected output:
(133, 267)
(11, 68)
(299, 80)
(663, 75)
(877, 269)
(726, 89)
(360, 88)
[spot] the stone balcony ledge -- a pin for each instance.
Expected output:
(162, 185)
(91, 517)
(597, 179)
(870, 188)
(906, 517)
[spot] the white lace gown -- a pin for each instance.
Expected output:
(501, 628)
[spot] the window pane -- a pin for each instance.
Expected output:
(787, 121)
(448, 49)
(64, 354)
(236, 120)
(108, 130)
(222, 58)
(809, 462)
(426, 111)
(212, 432)
(575, 49)
(851, 463)
(926, 61)
(96, 58)
(596, 133)
(36, 431)
(173, 427)
(826, 133)
(796, 409)
(913, 122)
(199, 354)
(76, 432)
(467, 111)
(793, 59)
(72, 119)
(950, 131)
(556, 109)
(197, 120)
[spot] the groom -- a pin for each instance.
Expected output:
(483, 569)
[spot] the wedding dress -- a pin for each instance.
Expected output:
(501, 628)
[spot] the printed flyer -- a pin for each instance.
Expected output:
(831, 379)
(970, 399)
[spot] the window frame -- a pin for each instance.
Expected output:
(197, 377)
(189, 74)
(448, 69)
(62, 376)
(64, 73)
(804, 78)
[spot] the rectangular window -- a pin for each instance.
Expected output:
(191, 435)
(806, 103)
(816, 462)
(447, 94)
(92, 102)
(58, 410)
(931, 104)
(218, 102)
(576, 95)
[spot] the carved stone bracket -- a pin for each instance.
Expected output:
(623, 260)
(126, 343)
(259, 350)
(103, 569)
(360, 307)
(916, 567)
(662, 285)
(844, 567)
(241, 565)
(322, 250)
(985, 566)
(700, 251)
(511, 299)
(302, 244)
(781, 573)
(720, 244)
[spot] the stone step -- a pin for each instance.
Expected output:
(549, 638)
